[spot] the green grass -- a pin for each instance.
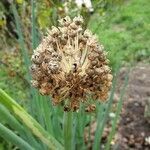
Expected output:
(125, 31)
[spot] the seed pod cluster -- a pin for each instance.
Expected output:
(70, 65)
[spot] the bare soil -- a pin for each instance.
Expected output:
(134, 128)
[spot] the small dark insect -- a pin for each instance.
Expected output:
(75, 68)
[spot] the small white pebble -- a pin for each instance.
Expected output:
(112, 115)
(147, 140)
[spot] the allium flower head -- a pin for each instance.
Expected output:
(71, 66)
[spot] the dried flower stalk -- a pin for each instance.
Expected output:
(70, 65)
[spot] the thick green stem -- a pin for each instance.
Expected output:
(68, 130)
(10, 136)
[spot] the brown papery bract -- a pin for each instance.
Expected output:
(70, 65)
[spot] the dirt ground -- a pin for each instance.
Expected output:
(134, 129)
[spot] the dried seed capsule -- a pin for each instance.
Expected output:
(55, 31)
(63, 30)
(34, 68)
(73, 26)
(93, 56)
(50, 50)
(35, 83)
(94, 62)
(109, 77)
(106, 68)
(53, 67)
(78, 20)
(63, 41)
(65, 21)
(99, 71)
(93, 107)
(90, 72)
(37, 58)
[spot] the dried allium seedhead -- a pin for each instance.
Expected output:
(70, 65)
